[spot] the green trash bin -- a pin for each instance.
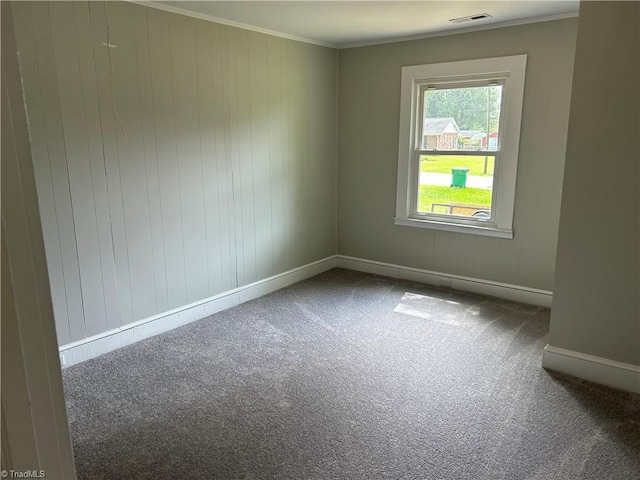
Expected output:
(459, 177)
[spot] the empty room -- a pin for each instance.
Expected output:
(320, 240)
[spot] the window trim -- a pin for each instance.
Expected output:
(511, 68)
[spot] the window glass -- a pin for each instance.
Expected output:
(465, 118)
(458, 145)
(456, 185)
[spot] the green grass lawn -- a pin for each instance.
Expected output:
(430, 194)
(444, 164)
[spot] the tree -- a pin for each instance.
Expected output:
(473, 108)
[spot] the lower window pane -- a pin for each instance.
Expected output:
(456, 185)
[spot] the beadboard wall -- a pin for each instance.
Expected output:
(175, 158)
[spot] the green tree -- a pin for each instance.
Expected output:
(473, 108)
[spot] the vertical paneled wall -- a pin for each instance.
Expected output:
(34, 427)
(175, 158)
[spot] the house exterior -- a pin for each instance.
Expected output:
(477, 140)
(493, 141)
(440, 134)
(472, 139)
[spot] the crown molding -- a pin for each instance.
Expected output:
(231, 23)
(457, 31)
(364, 43)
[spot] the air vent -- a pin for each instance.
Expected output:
(470, 18)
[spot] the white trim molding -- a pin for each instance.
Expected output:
(231, 23)
(360, 43)
(106, 342)
(454, 227)
(623, 376)
(507, 291)
(507, 72)
(458, 31)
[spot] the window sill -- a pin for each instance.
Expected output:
(454, 227)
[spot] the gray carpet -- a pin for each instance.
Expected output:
(349, 376)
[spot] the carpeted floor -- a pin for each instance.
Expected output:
(349, 376)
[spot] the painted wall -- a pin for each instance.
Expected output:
(35, 433)
(597, 289)
(368, 155)
(175, 158)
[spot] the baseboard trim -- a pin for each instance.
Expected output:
(97, 345)
(506, 291)
(623, 376)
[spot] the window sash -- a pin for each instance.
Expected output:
(415, 193)
(453, 153)
(425, 85)
(456, 73)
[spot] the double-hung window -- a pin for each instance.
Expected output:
(458, 146)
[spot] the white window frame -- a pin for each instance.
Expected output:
(508, 71)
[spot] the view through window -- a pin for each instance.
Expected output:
(458, 144)
(458, 147)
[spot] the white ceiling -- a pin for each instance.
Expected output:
(342, 24)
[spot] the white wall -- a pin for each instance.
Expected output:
(35, 434)
(187, 160)
(368, 156)
(597, 295)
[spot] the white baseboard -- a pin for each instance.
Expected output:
(485, 287)
(623, 376)
(92, 347)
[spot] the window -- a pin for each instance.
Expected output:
(458, 148)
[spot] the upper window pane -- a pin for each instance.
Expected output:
(461, 118)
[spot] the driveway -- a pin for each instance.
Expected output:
(444, 179)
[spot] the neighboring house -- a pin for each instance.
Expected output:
(440, 134)
(472, 139)
(493, 141)
(477, 140)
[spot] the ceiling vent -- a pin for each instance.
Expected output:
(470, 18)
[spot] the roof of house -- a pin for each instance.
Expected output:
(471, 133)
(436, 126)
